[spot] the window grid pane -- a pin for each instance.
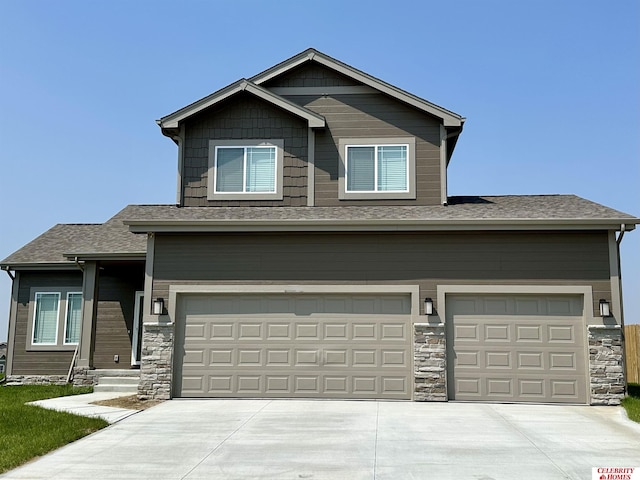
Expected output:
(229, 169)
(361, 169)
(74, 318)
(392, 168)
(261, 169)
(45, 323)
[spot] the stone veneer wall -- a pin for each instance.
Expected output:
(36, 380)
(156, 362)
(430, 363)
(606, 369)
(84, 376)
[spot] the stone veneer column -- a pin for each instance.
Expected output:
(430, 362)
(156, 361)
(605, 364)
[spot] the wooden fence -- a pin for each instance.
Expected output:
(632, 352)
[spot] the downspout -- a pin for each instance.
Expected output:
(6, 269)
(179, 139)
(623, 229)
(75, 353)
(75, 259)
(11, 276)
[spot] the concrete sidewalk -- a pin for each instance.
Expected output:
(81, 405)
(297, 439)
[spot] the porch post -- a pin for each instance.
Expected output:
(89, 305)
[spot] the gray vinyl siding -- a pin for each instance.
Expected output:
(426, 259)
(311, 75)
(114, 316)
(245, 117)
(372, 116)
(39, 362)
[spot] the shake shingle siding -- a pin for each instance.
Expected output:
(426, 259)
(311, 75)
(244, 118)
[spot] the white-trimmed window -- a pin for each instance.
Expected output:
(45, 320)
(56, 318)
(73, 318)
(245, 170)
(377, 168)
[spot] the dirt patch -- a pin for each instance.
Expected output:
(132, 402)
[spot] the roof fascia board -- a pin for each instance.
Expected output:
(368, 225)
(39, 266)
(105, 256)
(450, 119)
(173, 120)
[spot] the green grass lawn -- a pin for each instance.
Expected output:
(27, 431)
(631, 402)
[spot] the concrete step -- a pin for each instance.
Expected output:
(129, 372)
(132, 389)
(119, 380)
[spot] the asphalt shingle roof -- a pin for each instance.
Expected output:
(516, 207)
(114, 237)
(110, 237)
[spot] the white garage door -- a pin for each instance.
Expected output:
(299, 345)
(516, 348)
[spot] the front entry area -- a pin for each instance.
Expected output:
(516, 348)
(266, 345)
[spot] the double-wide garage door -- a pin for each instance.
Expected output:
(294, 345)
(516, 348)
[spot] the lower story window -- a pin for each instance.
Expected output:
(56, 315)
(73, 318)
(45, 323)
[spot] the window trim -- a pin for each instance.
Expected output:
(240, 143)
(345, 143)
(66, 317)
(63, 296)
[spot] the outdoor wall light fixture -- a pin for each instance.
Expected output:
(428, 306)
(158, 306)
(605, 308)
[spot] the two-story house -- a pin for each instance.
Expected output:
(313, 251)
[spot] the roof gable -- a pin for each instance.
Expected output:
(256, 86)
(449, 118)
(173, 120)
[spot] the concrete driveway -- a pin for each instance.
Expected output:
(293, 439)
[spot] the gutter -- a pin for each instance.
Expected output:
(80, 266)
(6, 269)
(280, 225)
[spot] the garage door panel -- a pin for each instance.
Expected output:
(499, 387)
(533, 351)
(336, 346)
(249, 357)
(497, 333)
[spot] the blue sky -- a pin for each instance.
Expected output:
(550, 89)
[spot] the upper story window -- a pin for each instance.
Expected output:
(56, 318)
(245, 169)
(381, 168)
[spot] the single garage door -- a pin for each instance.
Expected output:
(516, 348)
(294, 345)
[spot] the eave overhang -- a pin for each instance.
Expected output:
(227, 226)
(172, 121)
(449, 118)
(105, 256)
(39, 266)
